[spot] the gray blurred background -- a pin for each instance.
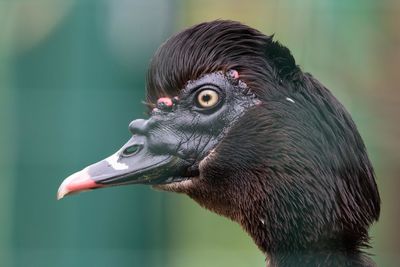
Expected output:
(72, 77)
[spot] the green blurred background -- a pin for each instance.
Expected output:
(72, 77)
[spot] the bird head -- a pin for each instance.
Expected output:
(236, 125)
(181, 132)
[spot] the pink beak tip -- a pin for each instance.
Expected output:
(77, 182)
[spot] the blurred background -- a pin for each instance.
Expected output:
(72, 77)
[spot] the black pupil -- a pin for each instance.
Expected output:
(206, 98)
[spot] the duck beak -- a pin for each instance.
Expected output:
(132, 164)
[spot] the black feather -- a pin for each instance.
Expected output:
(293, 171)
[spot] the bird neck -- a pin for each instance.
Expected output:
(289, 236)
(287, 250)
(327, 258)
(337, 252)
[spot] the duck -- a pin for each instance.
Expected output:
(235, 124)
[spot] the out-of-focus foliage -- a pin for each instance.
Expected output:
(72, 77)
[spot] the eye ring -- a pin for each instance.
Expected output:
(207, 98)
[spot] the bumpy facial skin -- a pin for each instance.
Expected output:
(189, 131)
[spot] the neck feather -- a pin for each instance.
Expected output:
(326, 258)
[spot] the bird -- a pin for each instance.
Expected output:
(235, 124)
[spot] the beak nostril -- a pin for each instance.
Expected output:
(131, 150)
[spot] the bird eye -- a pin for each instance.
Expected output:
(207, 98)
